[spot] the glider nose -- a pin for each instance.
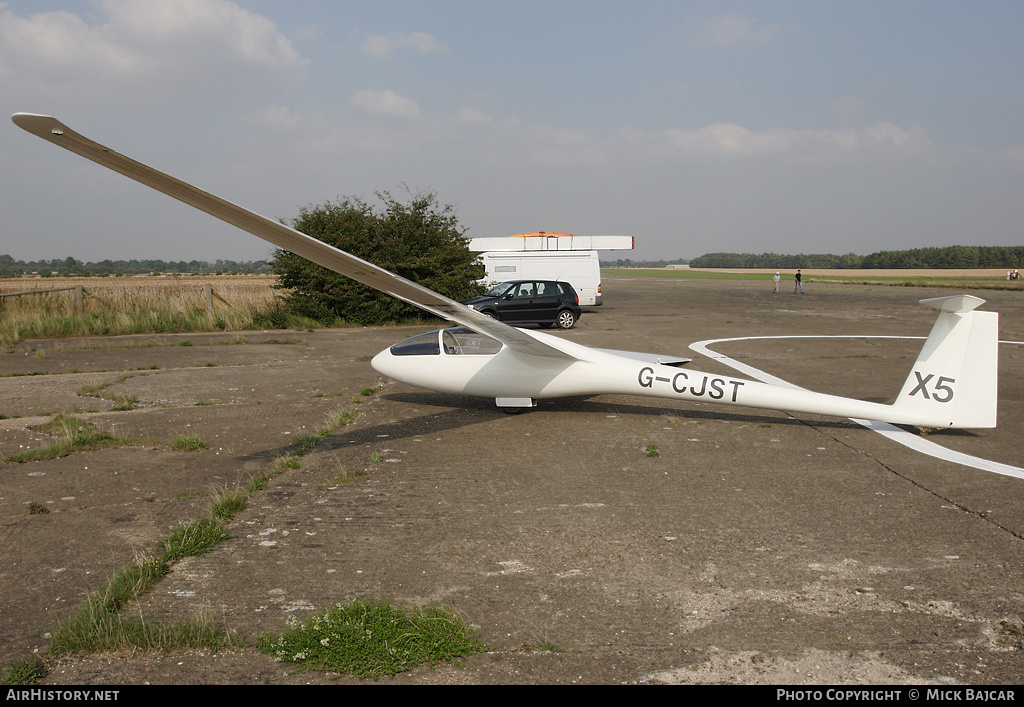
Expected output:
(383, 363)
(405, 369)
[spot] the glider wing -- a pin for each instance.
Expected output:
(52, 130)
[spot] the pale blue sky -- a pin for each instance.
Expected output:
(693, 126)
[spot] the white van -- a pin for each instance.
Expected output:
(580, 268)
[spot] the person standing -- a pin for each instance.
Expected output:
(799, 285)
(776, 280)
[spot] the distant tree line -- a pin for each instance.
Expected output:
(776, 260)
(948, 257)
(957, 256)
(9, 267)
(627, 263)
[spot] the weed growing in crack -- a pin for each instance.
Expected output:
(72, 434)
(372, 639)
(188, 443)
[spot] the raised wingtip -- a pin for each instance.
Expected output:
(20, 118)
(36, 124)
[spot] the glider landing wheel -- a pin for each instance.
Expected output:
(514, 411)
(514, 406)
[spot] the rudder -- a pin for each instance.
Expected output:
(954, 381)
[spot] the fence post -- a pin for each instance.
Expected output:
(80, 300)
(209, 297)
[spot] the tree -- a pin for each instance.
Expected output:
(419, 240)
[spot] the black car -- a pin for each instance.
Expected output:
(543, 302)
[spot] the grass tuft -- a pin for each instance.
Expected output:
(27, 672)
(195, 537)
(345, 477)
(229, 503)
(305, 443)
(287, 462)
(188, 443)
(72, 435)
(373, 639)
(96, 624)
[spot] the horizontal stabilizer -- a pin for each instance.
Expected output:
(954, 303)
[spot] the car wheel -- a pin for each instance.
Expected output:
(489, 314)
(566, 319)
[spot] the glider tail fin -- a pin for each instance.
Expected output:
(954, 381)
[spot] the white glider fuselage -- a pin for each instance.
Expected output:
(952, 384)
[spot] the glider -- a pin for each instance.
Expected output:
(952, 383)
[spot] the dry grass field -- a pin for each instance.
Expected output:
(139, 293)
(136, 304)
